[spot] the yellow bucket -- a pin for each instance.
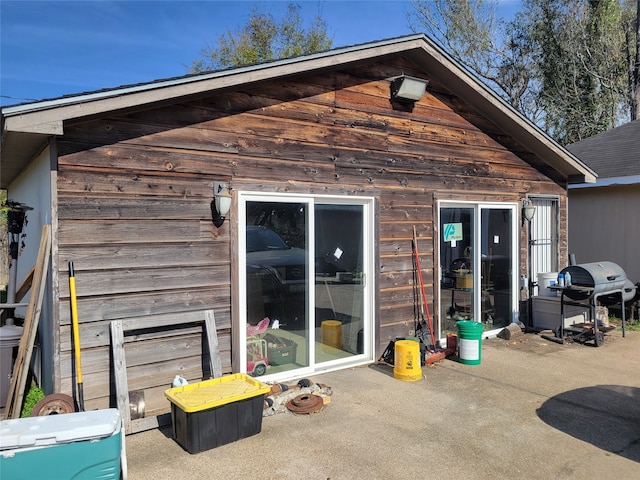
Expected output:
(406, 361)
(331, 331)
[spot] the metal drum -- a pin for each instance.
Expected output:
(597, 279)
(628, 294)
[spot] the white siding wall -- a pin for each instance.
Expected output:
(604, 224)
(33, 188)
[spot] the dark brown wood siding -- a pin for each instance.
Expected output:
(134, 193)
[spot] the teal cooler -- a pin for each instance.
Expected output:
(72, 446)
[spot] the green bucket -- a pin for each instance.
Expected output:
(469, 342)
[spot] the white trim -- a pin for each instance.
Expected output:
(477, 207)
(214, 75)
(369, 320)
(48, 115)
(608, 182)
(242, 284)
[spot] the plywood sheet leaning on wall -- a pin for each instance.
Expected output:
(25, 349)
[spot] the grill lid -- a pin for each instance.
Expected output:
(602, 277)
(628, 294)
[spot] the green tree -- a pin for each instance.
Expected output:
(631, 25)
(498, 52)
(263, 39)
(571, 66)
(580, 67)
(4, 244)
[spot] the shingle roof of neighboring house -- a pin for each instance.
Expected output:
(613, 154)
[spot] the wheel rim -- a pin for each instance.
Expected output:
(54, 404)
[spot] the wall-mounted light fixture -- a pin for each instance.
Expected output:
(408, 89)
(16, 214)
(528, 210)
(221, 203)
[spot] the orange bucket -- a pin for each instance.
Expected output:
(331, 331)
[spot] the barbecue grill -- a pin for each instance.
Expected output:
(592, 282)
(595, 279)
(628, 294)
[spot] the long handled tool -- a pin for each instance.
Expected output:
(76, 335)
(418, 318)
(423, 303)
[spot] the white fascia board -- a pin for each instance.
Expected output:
(608, 182)
(24, 116)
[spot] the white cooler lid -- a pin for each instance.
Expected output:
(58, 429)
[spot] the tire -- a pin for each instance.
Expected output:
(54, 404)
(259, 370)
(598, 339)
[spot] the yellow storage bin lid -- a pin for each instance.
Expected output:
(213, 393)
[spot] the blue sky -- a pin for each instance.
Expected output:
(54, 48)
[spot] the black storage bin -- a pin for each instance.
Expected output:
(215, 412)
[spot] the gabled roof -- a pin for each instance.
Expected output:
(614, 155)
(26, 128)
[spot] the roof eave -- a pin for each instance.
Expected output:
(29, 116)
(36, 120)
(470, 89)
(610, 182)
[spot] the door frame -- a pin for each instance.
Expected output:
(477, 207)
(369, 314)
(543, 222)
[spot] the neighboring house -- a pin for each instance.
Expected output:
(604, 217)
(316, 151)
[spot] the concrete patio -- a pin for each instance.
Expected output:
(532, 409)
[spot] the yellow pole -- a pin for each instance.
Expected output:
(76, 334)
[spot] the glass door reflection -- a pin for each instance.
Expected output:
(496, 246)
(339, 281)
(277, 286)
(457, 266)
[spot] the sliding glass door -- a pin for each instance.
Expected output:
(340, 281)
(277, 283)
(478, 265)
(305, 283)
(457, 227)
(497, 267)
